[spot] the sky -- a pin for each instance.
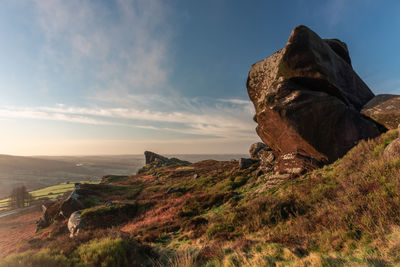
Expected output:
(91, 77)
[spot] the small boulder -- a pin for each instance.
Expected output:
(384, 109)
(392, 150)
(74, 223)
(245, 163)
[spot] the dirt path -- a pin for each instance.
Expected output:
(15, 211)
(16, 229)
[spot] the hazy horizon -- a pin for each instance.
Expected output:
(121, 77)
(122, 155)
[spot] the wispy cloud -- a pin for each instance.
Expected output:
(39, 113)
(229, 118)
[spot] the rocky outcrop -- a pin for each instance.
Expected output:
(308, 99)
(267, 160)
(384, 109)
(71, 204)
(154, 160)
(261, 154)
(256, 148)
(245, 163)
(44, 220)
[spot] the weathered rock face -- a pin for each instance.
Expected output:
(245, 163)
(74, 223)
(154, 160)
(152, 157)
(267, 160)
(308, 100)
(384, 109)
(71, 204)
(44, 220)
(263, 155)
(256, 148)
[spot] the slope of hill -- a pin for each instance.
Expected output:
(43, 171)
(211, 213)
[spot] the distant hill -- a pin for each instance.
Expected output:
(42, 171)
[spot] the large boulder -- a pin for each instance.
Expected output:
(308, 99)
(384, 109)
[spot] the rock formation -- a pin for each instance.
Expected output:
(71, 204)
(261, 154)
(384, 109)
(308, 99)
(256, 148)
(154, 160)
(152, 157)
(44, 220)
(245, 163)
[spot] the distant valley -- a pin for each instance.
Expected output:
(41, 171)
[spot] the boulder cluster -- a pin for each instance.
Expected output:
(63, 209)
(311, 107)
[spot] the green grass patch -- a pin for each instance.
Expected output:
(51, 192)
(43, 258)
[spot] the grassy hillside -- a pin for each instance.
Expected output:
(212, 214)
(43, 171)
(50, 192)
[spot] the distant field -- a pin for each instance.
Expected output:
(50, 192)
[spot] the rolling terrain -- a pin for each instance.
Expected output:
(213, 213)
(42, 171)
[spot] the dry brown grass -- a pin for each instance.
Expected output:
(15, 230)
(167, 212)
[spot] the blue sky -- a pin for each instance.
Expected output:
(119, 77)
